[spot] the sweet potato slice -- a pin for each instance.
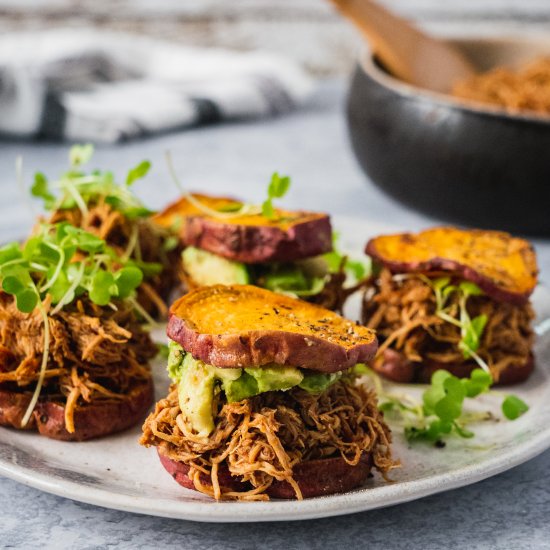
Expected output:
(242, 325)
(252, 238)
(326, 476)
(91, 420)
(396, 367)
(179, 471)
(314, 477)
(503, 266)
(512, 374)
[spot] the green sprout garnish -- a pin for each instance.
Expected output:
(163, 350)
(81, 154)
(471, 330)
(513, 407)
(75, 188)
(443, 402)
(277, 189)
(64, 262)
(138, 172)
(441, 414)
(292, 280)
(356, 269)
(61, 262)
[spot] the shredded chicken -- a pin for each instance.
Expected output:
(334, 294)
(402, 310)
(139, 239)
(261, 439)
(95, 353)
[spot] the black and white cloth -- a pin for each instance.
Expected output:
(81, 85)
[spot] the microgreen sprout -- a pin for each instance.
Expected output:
(300, 280)
(356, 269)
(163, 350)
(277, 189)
(513, 407)
(59, 263)
(225, 212)
(441, 411)
(292, 280)
(75, 188)
(471, 330)
(137, 173)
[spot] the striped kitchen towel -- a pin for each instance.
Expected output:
(85, 85)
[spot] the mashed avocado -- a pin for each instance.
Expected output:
(198, 382)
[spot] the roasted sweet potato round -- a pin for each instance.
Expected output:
(289, 236)
(255, 239)
(314, 477)
(243, 325)
(91, 420)
(396, 367)
(179, 471)
(321, 477)
(503, 266)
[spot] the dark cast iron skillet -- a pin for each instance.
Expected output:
(464, 162)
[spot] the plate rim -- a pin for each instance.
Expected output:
(285, 510)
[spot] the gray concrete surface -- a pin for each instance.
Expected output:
(508, 511)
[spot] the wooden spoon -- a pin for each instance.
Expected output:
(406, 52)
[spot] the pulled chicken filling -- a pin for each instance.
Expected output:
(261, 439)
(96, 354)
(402, 310)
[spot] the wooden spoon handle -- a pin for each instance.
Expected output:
(406, 52)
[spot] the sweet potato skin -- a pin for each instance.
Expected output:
(241, 325)
(310, 235)
(12, 409)
(394, 366)
(315, 477)
(91, 421)
(513, 374)
(504, 267)
(324, 477)
(179, 471)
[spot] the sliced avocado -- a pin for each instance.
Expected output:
(317, 382)
(275, 378)
(196, 391)
(290, 279)
(197, 382)
(287, 278)
(225, 374)
(254, 381)
(175, 360)
(316, 266)
(206, 268)
(236, 390)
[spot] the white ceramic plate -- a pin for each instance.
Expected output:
(116, 472)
